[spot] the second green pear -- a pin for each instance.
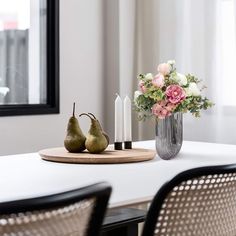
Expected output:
(96, 142)
(103, 132)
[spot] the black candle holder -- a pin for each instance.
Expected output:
(118, 145)
(128, 144)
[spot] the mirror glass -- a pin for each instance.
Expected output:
(23, 52)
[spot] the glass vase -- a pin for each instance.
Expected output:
(169, 136)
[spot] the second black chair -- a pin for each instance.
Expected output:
(197, 202)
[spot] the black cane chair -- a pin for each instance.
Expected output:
(77, 212)
(199, 202)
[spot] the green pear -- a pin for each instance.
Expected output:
(75, 139)
(104, 133)
(96, 141)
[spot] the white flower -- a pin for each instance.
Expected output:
(171, 62)
(192, 90)
(149, 76)
(181, 79)
(136, 95)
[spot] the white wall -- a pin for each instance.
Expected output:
(81, 75)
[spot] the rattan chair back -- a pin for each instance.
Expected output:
(199, 202)
(78, 212)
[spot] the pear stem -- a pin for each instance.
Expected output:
(85, 114)
(74, 109)
(91, 114)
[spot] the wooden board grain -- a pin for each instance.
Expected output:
(109, 156)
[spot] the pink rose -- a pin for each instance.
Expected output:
(175, 94)
(158, 81)
(142, 87)
(170, 106)
(164, 68)
(160, 110)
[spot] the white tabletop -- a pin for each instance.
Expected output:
(27, 175)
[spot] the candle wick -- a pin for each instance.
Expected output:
(117, 94)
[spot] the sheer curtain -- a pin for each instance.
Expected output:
(194, 33)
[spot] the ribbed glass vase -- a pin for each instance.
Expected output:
(169, 136)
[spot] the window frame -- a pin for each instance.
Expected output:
(52, 105)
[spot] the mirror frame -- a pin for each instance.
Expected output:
(52, 105)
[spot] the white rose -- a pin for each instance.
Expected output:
(149, 76)
(136, 95)
(181, 79)
(171, 62)
(193, 90)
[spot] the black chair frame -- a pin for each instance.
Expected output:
(156, 205)
(100, 191)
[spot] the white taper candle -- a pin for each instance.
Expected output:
(118, 120)
(127, 119)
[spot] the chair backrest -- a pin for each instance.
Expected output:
(199, 202)
(77, 212)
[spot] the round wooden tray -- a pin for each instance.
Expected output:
(109, 156)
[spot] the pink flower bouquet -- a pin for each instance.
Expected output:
(169, 92)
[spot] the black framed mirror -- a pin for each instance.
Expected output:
(29, 57)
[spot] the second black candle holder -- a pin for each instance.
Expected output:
(128, 144)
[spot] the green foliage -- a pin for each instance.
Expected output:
(144, 103)
(192, 79)
(194, 105)
(155, 94)
(141, 76)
